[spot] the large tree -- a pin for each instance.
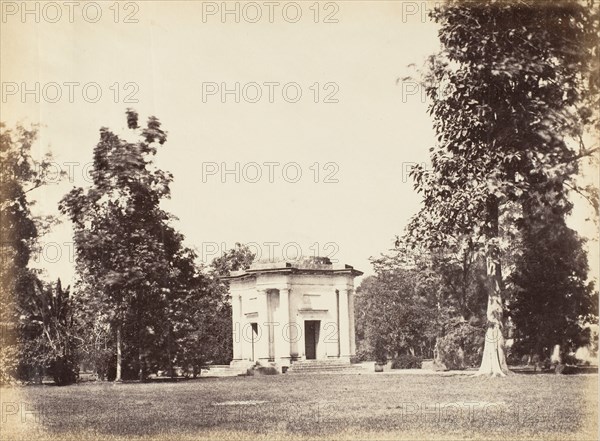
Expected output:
(20, 175)
(124, 244)
(206, 327)
(551, 301)
(394, 313)
(509, 89)
(418, 297)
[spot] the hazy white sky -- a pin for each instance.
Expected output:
(367, 139)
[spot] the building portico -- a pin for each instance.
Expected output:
(292, 310)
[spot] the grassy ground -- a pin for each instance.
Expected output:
(301, 407)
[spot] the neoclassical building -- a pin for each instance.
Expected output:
(292, 310)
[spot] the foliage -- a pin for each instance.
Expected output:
(9, 363)
(413, 296)
(551, 302)
(461, 345)
(359, 357)
(392, 314)
(47, 320)
(135, 273)
(148, 305)
(407, 361)
(96, 348)
(20, 174)
(379, 349)
(235, 259)
(508, 92)
(216, 343)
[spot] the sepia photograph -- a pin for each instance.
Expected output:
(299, 220)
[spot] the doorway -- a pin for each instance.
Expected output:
(254, 338)
(311, 338)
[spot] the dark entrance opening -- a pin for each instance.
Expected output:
(254, 337)
(311, 338)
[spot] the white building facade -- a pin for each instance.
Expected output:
(292, 310)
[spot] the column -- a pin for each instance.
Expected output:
(282, 330)
(337, 321)
(236, 311)
(351, 320)
(261, 346)
(293, 331)
(344, 330)
(269, 296)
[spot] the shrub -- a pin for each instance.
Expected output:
(513, 359)
(9, 361)
(379, 351)
(461, 347)
(64, 370)
(361, 355)
(570, 359)
(407, 361)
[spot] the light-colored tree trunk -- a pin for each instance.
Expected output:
(119, 355)
(493, 362)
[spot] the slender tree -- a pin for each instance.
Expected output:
(122, 238)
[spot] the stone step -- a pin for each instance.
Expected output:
(222, 371)
(326, 371)
(321, 362)
(319, 365)
(295, 371)
(323, 366)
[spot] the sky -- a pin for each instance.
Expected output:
(289, 125)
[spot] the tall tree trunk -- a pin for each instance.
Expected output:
(119, 355)
(493, 362)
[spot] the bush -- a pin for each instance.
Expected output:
(64, 371)
(379, 351)
(407, 361)
(361, 355)
(513, 359)
(570, 360)
(9, 361)
(461, 347)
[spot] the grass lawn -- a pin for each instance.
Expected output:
(376, 406)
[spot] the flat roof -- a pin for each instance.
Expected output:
(304, 265)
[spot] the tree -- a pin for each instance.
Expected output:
(399, 310)
(20, 174)
(205, 330)
(48, 321)
(235, 259)
(124, 245)
(96, 348)
(508, 90)
(417, 300)
(551, 300)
